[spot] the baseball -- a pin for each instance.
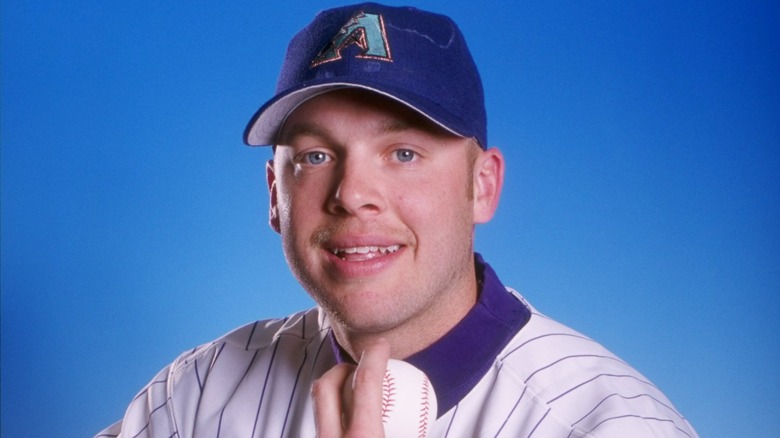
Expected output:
(409, 404)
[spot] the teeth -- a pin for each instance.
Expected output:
(366, 249)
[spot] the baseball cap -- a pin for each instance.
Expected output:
(416, 57)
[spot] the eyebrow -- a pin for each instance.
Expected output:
(308, 129)
(418, 122)
(302, 129)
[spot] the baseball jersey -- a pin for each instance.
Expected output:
(505, 370)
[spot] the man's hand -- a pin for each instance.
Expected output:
(352, 409)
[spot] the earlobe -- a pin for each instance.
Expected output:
(488, 181)
(273, 208)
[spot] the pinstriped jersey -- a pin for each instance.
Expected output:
(547, 380)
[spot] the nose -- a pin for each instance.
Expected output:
(357, 191)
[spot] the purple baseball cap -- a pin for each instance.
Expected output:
(415, 57)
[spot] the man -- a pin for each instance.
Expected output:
(380, 171)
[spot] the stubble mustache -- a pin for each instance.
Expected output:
(353, 227)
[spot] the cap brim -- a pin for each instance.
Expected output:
(265, 124)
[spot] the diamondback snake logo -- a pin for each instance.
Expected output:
(367, 31)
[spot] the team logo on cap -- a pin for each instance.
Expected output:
(367, 31)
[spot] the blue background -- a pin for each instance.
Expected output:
(641, 207)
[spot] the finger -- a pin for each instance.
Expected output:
(326, 395)
(366, 415)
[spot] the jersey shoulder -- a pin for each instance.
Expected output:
(203, 385)
(585, 386)
(257, 336)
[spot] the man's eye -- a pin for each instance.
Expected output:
(315, 157)
(405, 155)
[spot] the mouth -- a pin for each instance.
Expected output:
(357, 253)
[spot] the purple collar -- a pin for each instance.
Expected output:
(457, 361)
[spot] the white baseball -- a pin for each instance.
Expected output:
(409, 404)
(408, 401)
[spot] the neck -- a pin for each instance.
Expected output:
(418, 332)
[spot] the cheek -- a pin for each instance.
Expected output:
(284, 209)
(434, 205)
(302, 218)
(299, 197)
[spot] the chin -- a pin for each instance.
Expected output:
(364, 322)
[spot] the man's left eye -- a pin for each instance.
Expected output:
(405, 155)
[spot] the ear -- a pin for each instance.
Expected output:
(273, 208)
(488, 181)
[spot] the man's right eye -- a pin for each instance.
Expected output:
(315, 157)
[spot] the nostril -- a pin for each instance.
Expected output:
(357, 194)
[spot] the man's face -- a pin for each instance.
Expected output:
(376, 209)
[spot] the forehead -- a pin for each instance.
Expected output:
(343, 106)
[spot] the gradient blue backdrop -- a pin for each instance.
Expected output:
(642, 201)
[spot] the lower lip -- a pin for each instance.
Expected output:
(361, 268)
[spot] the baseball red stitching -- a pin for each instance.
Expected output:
(388, 395)
(422, 427)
